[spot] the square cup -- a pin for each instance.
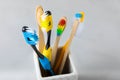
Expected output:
(69, 71)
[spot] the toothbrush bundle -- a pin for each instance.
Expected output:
(47, 55)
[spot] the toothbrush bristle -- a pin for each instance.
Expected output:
(80, 16)
(83, 16)
(62, 22)
(30, 36)
(46, 21)
(61, 27)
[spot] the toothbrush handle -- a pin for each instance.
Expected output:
(48, 39)
(46, 65)
(52, 73)
(37, 52)
(54, 50)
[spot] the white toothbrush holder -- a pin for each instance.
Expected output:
(69, 71)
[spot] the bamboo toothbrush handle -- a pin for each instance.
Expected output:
(74, 29)
(39, 12)
(41, 43)
(54, 51)
(63, 62)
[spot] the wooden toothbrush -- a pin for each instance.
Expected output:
(39, 12)
(64, 52)
(60, 29)
(41, 44)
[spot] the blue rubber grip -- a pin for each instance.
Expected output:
(46, 64)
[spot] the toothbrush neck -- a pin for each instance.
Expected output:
(37, 52)
(48, 39)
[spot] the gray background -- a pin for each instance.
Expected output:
(95, 53)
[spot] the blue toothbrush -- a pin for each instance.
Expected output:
(31, 38)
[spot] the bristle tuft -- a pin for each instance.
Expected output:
(61, 26)
(80, 16)
(62, 22)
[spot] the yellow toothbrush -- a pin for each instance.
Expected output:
(47, 24)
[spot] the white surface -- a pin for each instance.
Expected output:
(96, 53)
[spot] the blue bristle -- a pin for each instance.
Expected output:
(78, 15)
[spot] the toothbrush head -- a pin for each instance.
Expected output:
(80, 16)
(46, 21)
(30, 36)
(39, 12)
(61, 26)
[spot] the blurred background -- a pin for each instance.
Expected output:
(95, 53)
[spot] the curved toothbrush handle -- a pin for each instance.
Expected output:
(48, 39)
(46, 64)
(37, 52)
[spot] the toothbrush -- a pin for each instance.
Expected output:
(47, 24)
(60, 29)
(64, 52)
(39, 12)
(31, 38)
(41, 44)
